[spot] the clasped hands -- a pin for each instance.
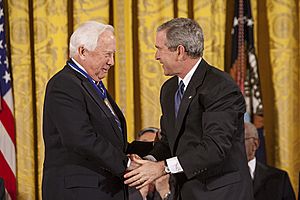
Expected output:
(143, 172)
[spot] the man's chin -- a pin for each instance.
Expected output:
(102, 76)
(167, 73)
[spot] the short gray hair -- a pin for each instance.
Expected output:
(185, 32)
(87, 35)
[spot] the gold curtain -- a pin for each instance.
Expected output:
(23, 98)
(49, 55)
(124, 85)
(39, 32)
(211, 15)
(150, 15)
(284, 45)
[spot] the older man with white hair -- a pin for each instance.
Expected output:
(84, 130)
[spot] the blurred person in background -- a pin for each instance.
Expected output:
(269, 183)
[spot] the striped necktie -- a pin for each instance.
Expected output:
(178, 96)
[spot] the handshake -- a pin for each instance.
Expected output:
(145, 175)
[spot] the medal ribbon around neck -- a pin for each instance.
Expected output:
(102, 91)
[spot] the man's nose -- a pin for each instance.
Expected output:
(111, 60)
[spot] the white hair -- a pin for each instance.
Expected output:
(87, 35)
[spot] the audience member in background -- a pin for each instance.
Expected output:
(160, 189)
(149, 134)
(269, 183)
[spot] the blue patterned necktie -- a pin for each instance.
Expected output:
(107, 103)
(178, 96)
(102, 90)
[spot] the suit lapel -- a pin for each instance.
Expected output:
(93, 93)
(190, 93)
(170, 105)
(121, 117)
(99, 101)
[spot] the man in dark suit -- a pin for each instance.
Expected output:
(269, 183)
(202, 143)
(83, 128)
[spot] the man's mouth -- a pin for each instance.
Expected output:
(105, 70)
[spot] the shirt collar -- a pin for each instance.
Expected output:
(252, 165)
(186, 80)
(78, 65)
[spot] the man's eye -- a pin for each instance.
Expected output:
(108, 55)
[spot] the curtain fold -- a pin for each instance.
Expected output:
(150, 15)
(284, 55)
(50, 53)
(23, 97)
(182, 6)
(39, 35)
(211, 16)
(124, 90)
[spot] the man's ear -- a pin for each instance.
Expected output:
(181, 53)
(81, 52)
(256, 142)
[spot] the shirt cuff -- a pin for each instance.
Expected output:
(174, 165)
(128, 163)
(150, 157)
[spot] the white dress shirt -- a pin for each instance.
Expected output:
(252, 165)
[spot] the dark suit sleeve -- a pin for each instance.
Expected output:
(222, 125)
(140, 148)
(67, 108)
(134, 194)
